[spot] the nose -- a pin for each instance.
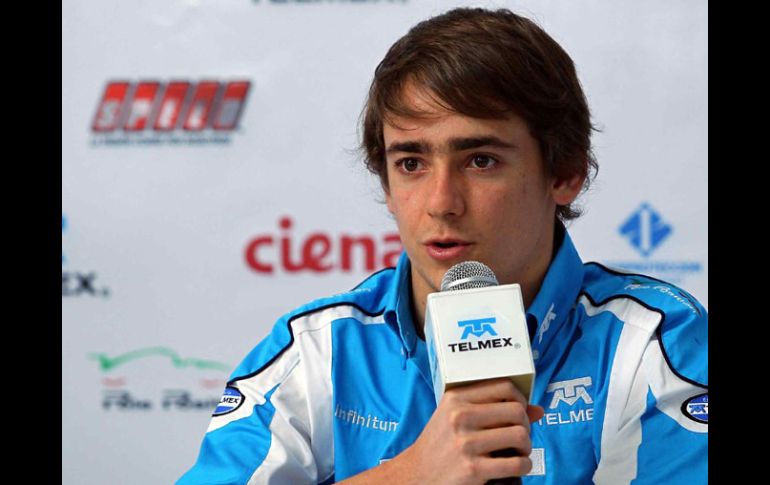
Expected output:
(447, 197)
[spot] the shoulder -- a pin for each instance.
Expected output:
(364, 303)
(603, 284)
(365, 300)
(679, 321)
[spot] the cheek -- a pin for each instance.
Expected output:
(507, 198)
(399, 200)
(510, 210)
(525, 199)
(402, 206)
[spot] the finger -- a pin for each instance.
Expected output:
(488, 440)
(516, 466)
(535, 413)
(490, 415)
(490, 390)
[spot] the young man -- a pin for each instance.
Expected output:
(479, 131)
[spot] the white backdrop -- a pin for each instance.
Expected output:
(160, 294)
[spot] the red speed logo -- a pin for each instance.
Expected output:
(165, 107)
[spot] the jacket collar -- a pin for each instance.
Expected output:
(548, 311)
(398, 304)
(558, 292)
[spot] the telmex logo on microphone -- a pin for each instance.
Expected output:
(478, 333)
(478, 328)
(152, 112)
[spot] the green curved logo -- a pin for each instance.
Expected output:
(107, 363)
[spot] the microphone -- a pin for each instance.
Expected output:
(476, 329)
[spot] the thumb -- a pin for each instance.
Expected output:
(535, 412)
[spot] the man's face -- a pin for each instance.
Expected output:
(463, 188)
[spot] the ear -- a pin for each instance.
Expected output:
(564, 191)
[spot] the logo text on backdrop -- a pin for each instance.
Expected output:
(178, 112)
(320, 252)
(647, 231)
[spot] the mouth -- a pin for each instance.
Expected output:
(446, 249)
(446, 244)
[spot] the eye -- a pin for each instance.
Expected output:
(409, 165)
(482, 161)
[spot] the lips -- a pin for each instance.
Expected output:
(446, 249)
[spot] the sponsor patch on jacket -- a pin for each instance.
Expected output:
(230, 401)
(697, 408)
(538, 462)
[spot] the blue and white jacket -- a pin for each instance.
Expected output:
(343, 384)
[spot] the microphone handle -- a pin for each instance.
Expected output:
(506, 480)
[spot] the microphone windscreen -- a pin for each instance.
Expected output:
(468, 274)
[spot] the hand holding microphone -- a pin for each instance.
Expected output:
(469, 424)
(482, 369)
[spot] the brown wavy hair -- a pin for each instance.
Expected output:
(487, 64)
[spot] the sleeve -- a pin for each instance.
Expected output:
(662, 431)
(273, 424)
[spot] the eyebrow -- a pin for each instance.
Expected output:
(455, 144)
